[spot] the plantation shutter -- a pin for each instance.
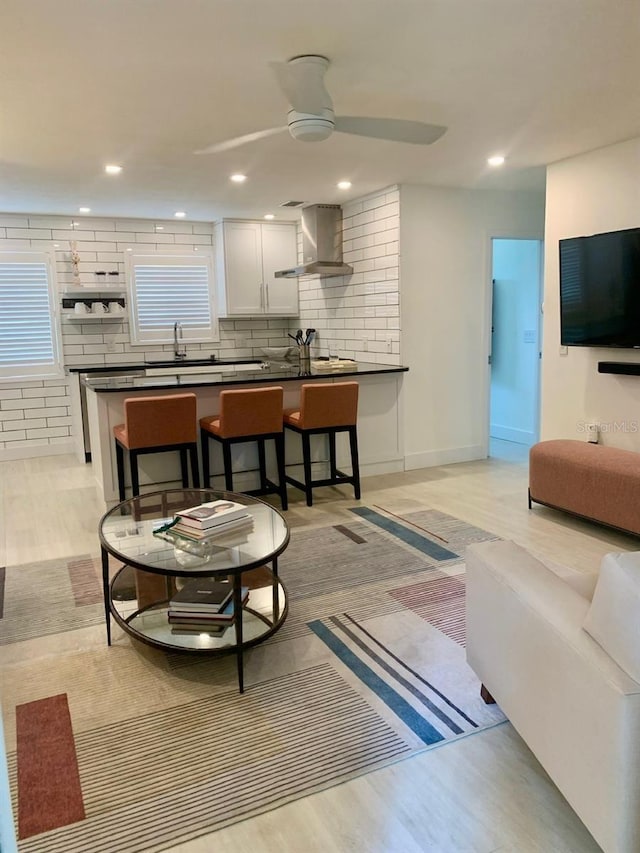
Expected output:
(166, 290)
(29, 334)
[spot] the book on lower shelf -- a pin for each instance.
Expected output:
(204, 595)
(190, 630)
(203, 620)
(212, 514)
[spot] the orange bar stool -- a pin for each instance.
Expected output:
(156, 425)
(247, 415)
(327, 407)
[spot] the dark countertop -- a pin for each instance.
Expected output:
(226, 375)
(148, 365)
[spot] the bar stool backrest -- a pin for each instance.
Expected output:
(255, 411)
(158, 421)
(328, 404)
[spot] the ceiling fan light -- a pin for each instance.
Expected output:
(496, 160)
(306, 127)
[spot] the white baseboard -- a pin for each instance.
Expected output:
(31, 451)
(519, 436)
(431, 458)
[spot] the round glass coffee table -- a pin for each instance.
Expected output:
(157, 562)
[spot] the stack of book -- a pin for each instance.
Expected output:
(203, 605)
(210, 519)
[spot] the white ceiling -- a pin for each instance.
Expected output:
(145, 83)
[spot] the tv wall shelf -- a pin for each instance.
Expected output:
(624, 368)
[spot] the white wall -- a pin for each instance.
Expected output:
(515, 348)
(445, 272)
(358, 316)
(595, 192)
(35, 417)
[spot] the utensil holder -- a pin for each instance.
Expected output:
(305, 357)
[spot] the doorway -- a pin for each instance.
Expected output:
(516, 331)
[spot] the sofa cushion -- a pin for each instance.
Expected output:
(613, 620)
(584, 583)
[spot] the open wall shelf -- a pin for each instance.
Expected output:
(623, 368)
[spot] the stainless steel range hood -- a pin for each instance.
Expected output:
(321, 243)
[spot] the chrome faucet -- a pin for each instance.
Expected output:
(179, 349)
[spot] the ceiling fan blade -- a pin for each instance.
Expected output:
(228, 144)
(302, 81)
(393, 129)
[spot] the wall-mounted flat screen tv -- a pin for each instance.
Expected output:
(600, 290)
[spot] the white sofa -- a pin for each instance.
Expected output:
(563, 663)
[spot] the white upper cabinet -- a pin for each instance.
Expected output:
(247, 256)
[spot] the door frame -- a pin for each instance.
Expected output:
(488, 308)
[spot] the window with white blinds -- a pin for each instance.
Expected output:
(165, 289)
(29, 324)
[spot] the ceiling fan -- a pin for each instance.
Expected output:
(311, 117)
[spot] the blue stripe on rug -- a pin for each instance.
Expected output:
(409, 716)
(424, 700)
(421, 543)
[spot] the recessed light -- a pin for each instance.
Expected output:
(238, 179)
(180, 214)
(84, 210)
(159, 227)
(344, 185)
(497, 160)
(112, 169)
(269, 216)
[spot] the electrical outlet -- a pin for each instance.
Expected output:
(110, 343)
(364, 345)
(389, 343)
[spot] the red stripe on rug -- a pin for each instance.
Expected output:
(86, 581)
(439, 601)
(49, 791)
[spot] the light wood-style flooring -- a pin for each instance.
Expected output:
(480, 794)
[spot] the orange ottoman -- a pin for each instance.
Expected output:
(595, 482)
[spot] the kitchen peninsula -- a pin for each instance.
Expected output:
(379, 412)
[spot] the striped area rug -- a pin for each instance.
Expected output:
(153, 749)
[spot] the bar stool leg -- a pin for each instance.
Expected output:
(133, 464)
(332, 454)
(228, 472)
(204, 444)
(262, 465)
(306, 458)
(279, 440)
(355, 463)
(183, 468)
(195, 473)
(120, 466)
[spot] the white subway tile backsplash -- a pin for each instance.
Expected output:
(18, 435)
(22, 403)
(10, 394)
(67, 235)
(11, 221)
(194, 239)
(28, 233)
